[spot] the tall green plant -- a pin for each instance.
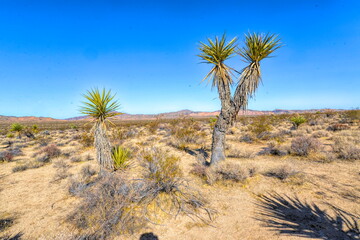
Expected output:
(100, 106)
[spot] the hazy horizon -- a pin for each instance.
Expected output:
(52, 52)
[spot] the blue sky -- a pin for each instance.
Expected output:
(53, 51)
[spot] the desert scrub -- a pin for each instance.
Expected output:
(6, 156)
(17, 128)
(260, 127)
(87, 140)
(275, 149)
(188, 132)
(282, 172)
(51, 151)
(346, 147)
(297, 121)
(303, 146)
(121, 157)
(236, 152)
(113, 205)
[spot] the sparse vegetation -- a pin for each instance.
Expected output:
(297, 121)
(121, 157)
(303, 146)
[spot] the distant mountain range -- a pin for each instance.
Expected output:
(169, 115)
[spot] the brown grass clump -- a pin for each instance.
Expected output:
(6, 156)
(346, 147)
(51, 151)
(338, 127)
(303, 146)
(261, 127)
(115, 205)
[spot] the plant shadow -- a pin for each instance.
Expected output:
(291, 216)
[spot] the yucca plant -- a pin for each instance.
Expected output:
(100, 106)
(121, 158)
(257, 47)
(297, 121)
(17, 128)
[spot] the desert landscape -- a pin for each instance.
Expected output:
(286, 176)
(179, 120)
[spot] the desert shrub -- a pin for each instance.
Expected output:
(6, 221)
(261, 126)
(320, 134)
(247, 138)
(35, 128)
(240, 153)
(212, 122)
(87, 171)
(121, 157)
(273, 149)
(113, 205)
(338, 127)
(61, 171)
(110, 208)
(282, 172)
(297, 121)
(30, 165)
(352, 114)
(16, 127)
(153, 126)
(188, 132)
(51, 151)
(161, 168)
(43, 158)
(75, 159)
(303, 146)
(87, 140)
(20, 168)
(10, 135)
(73, 126)
(346, 148)
(6, 156)
(233, 172)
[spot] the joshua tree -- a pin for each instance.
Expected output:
(257, 47)
(100, 106)
(17, 128)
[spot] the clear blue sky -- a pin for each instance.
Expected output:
(53, 51)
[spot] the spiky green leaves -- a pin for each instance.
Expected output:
(100, 105)
(216, 52)
(257, 47)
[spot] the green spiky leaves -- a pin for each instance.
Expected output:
(216, 52)
(259, 46)
(100, 105)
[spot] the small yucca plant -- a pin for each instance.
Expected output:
(18, 128)
(121, 157)
(297, 121)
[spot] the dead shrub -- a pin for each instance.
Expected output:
(6, 156)
(114, 205)
(320, 134)
(51, 151)
(282, 172)
(261, 127)
(346, 148)
(233, 172)
(338, 127)
(303, 146)
(240, 153)
(87, 139)
(274, 149)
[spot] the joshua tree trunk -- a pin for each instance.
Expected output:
(222, 124)
(103, 147)
(229, 110)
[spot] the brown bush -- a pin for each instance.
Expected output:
(303, 146)
(338, 127)
(346, 148)
(87, 140)
(282, 172)
(51, 151)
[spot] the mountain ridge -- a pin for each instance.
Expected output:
(166, 115)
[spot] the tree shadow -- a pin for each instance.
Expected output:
(14, 237)
(148, 236)
(288, 215)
